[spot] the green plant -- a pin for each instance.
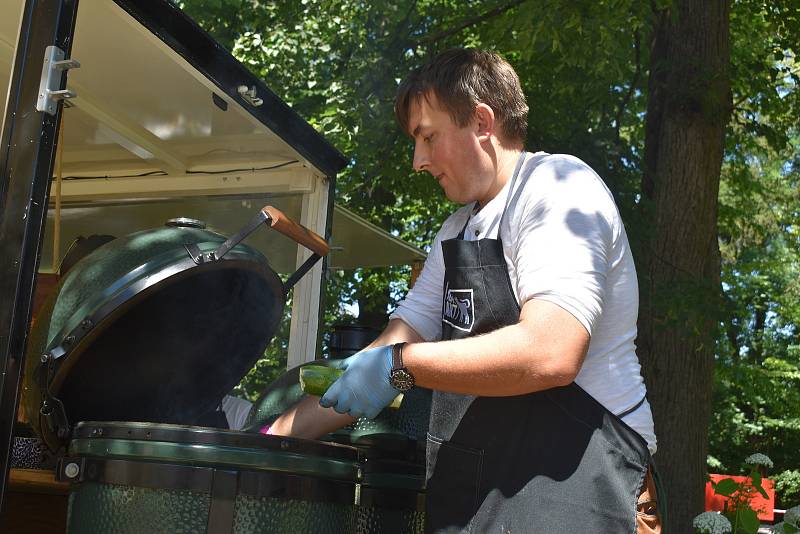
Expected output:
(738, 506)
(787, 486)
(791, 522)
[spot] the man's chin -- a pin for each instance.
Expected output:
(457, 199)
(451, 196)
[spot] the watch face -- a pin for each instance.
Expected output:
(402, 380)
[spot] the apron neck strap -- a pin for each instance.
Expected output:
(469, 217)
(520, 161)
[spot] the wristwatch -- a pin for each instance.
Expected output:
(400, 378)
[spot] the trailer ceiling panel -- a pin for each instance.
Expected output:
(142, 107)
(162, 103)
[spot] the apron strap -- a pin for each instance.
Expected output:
(632, 408)
(464, 229)
(536, 161)
(520, 160)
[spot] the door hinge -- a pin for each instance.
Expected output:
(49, 85)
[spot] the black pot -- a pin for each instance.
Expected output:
(156, 326)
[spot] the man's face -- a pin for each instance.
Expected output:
(452, 154)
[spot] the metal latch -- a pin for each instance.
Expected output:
(250, 95)
(49, 92)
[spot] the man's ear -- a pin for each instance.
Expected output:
(484, 122)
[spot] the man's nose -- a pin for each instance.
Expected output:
(421, 158)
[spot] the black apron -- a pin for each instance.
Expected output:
(549, 462)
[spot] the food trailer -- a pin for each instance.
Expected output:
(124, 119)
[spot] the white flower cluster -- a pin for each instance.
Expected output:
(759, 459)
(711, 523)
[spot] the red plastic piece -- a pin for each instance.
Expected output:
(763, 507)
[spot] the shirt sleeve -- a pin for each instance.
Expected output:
(421, 309)
(563, 238)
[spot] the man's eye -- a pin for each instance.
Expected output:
(427, 138)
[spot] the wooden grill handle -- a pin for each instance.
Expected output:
(296, 232)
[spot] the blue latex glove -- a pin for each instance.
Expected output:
(364, 389)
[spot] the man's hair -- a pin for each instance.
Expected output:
(461, 78)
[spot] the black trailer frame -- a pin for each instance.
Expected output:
(26, 168)
(27, 156)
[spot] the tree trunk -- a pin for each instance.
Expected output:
(688, 110)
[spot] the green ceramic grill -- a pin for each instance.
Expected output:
(133, 478)
(146, 334)
(156, 326)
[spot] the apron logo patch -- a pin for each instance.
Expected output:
(459, 309)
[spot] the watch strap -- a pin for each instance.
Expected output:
(397, 355)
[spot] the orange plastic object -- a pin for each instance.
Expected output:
(764, 507)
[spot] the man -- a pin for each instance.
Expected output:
(522, 321)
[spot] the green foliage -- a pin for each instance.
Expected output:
(787, 484)
(757, 406)
(791, 522)
(757, 390)
(782, 528)
(792, 517)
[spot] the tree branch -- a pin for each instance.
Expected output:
(736, 104)
(499, 10)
